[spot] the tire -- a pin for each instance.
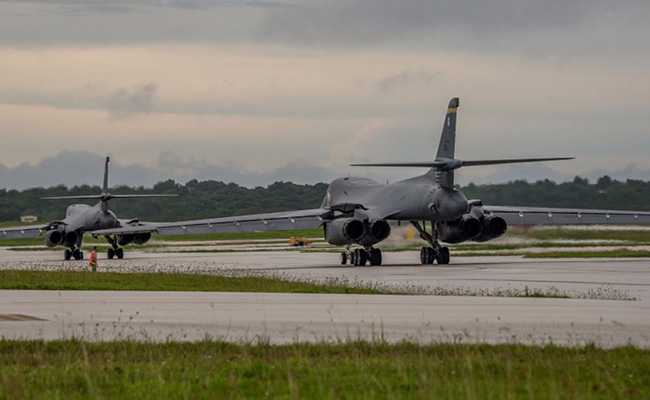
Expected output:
(375, 257)
(111, 253)
(444, 257)
(427, 255)
(344, 258)
(432, 256)
(78, 255)
(353, 258)
(67, 254)
(119, 253)
(363, 257)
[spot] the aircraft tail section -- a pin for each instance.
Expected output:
(105, 183)
(105, 196)
(442, 168)
(447, 146)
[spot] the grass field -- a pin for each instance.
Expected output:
(617, 253)
(74, 370)
(71, 280)
(631, 235)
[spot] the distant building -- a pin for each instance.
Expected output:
(28, 219)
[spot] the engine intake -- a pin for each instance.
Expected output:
(493, 227)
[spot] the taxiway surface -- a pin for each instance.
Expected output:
(289, 317)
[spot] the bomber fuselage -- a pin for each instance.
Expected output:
(419, 198)
(82, 217)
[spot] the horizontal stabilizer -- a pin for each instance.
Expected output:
(513, 161)
(141, 196)
(451, 164)
(89, 197)
(429, 164)
(106, 197)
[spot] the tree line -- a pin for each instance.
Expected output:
(203, 199)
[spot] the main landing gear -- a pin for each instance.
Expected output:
(434, 253)
(362, 257)
(75, 253)
(115, 250)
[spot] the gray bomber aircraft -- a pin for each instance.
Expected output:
(356, 212)
(82, 218)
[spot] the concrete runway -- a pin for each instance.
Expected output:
(288, 317)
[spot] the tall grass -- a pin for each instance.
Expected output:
(76, 280)
(355, 370)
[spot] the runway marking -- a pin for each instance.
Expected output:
(18, 318)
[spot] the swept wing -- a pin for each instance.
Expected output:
(568, 216)
(303, 219)
(21, 232)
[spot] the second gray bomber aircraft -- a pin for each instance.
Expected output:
(356, 212)
(82, 218)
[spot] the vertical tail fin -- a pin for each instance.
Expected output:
(105, 185)
(447, 147)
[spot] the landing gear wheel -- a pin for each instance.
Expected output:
(78, 254)
(359, 257)
(119, 253)
(375, 257)
(111, 253)
(67, 254)
(344, 258)
(443, 256)
(428, 255)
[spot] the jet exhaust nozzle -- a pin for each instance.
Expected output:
(54, 238)
(380, 230)
(71, 238)
(493, 227)
(344, 231)
(142, 238)
(464, 229)
(124, 240)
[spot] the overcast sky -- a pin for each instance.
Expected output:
(254, 90)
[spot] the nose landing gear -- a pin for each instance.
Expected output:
(434, 253)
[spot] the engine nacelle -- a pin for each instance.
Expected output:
(124, 240)
(493, 227)
(141, 238)
(466, 228)
(54, 238)
(380, 230)
(71, 239)
(344, 231)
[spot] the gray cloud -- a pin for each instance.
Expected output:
(128, 102)
(523, 25)
(461, 24)
(407, 80)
